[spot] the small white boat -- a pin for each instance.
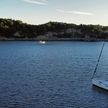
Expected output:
(100, 83)
(42, 42)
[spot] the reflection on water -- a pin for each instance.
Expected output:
(53, 75)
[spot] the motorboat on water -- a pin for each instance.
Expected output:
(42, 42)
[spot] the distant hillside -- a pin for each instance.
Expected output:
(17, 30)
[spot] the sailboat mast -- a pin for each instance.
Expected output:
(98, 60)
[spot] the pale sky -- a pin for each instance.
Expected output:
(69, 11)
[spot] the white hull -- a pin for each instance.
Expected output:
(42, 42)
(100, 83)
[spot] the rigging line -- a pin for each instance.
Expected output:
(98, 60)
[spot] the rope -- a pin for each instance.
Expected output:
(98, 60)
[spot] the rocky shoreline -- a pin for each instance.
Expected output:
(56, 39)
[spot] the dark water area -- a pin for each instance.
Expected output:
(54, 75)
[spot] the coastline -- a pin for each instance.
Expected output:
(57, 39)
(16, 30)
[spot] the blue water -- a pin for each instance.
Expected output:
(54, 75)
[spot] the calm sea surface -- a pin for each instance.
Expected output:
(54, 75)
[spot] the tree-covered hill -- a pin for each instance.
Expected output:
(16, 29)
